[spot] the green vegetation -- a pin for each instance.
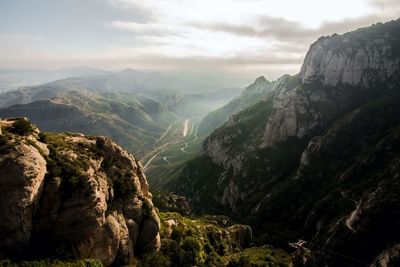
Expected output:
(4, 140)
(193, 181)
(67, 161)
(52, 263)
(121, 182)
(265, 256)
(15, 133)
(206, 241)
(188, 242)
(22, 127)
(154, 259)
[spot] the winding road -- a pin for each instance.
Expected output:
(189, 130)
(185, 127)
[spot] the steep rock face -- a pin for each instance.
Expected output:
(22, 178)
(352, 58)
(221, 153)
(88, 198)
(293, 115)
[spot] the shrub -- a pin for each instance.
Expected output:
(70, 172)
(241, 262)
(192, 250)
(43, 137)
(4, 140)
(123, 186)
(155, 259)
(172, 249)
(177, 234)
(22, 127)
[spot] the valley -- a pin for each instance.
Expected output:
(178, 144)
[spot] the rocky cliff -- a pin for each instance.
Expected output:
(316, 158)
(355, 58)
(72, 196)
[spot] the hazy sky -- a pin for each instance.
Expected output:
(249, 37)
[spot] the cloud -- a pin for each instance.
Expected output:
(283, 30)
(386, 5)
(230, 35)
(153, 29)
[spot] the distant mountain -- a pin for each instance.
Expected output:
(169, 90)
(132, 121)
(132, 107)
(14, 78)
(317, 158)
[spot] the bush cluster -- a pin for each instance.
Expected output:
(22, 127)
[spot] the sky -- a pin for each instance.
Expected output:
(237, 37)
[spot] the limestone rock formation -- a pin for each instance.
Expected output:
(83, 196)
(343, 59)
(22, 178)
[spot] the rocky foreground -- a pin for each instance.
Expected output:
(68, 195)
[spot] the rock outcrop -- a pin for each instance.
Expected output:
(293, 113)
(350, 60)
(68, 195)
(22, 178)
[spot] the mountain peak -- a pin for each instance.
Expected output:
(260, 79)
